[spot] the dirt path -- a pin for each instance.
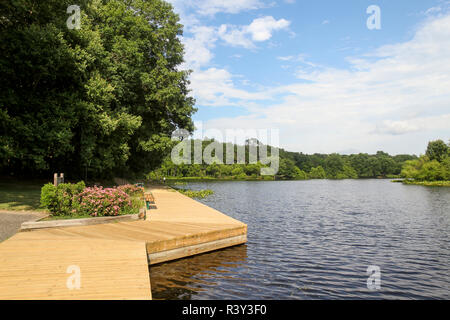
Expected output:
(10, 221)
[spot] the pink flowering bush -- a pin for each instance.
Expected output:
(99, 201)
(75, 199)
(131, 190)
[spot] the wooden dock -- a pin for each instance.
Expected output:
(113, 258)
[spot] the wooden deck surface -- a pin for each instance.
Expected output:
(113, 257)
(108, 269)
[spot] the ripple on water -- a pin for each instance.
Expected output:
(315, 240)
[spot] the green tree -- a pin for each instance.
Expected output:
(300, 174)
(425, 170)
(288, 170)
(334, 166)
(437, 150)
(237, 170)
(431, 171)
(349, 172)
(445, 167)
(360, 162)
(103, 99)
(317, 173)
(225, 170)
(213, 170)
(252, 169)
(411, 168)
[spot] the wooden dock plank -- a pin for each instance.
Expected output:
(108, 269)
(113, 257)
(138, 231)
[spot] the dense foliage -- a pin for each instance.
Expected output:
(96, 101)
(61, 200)
(98, 202)
(292, 165)
(77, 200)
(433, 166)
(336, 166)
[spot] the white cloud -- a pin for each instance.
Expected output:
(202, 39)
(400, 127)
(396, 127)
(301, 58)
(198, 48)
(433, 10)
(396, 97)
(259, 30)
(215, 87)
(440, 9)
(235, 36)
(286, 58)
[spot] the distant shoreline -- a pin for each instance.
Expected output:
(270, 178)
(398, 180)
(428, 183)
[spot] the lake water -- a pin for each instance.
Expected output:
(316, 239)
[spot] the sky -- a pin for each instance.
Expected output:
(315, 72)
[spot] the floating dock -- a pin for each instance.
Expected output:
(113, 258)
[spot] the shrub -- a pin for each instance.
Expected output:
(131, 190)
(75, 199)
(237, 171)
(99, 201)
(61, 200)
(48, 197)
(65, 196)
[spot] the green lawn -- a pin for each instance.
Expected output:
(16, 195)
(428, 183)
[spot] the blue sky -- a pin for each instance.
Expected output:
(315, 72)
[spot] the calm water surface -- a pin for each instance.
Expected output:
(315, 240)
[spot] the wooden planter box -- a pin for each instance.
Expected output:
(33, 225)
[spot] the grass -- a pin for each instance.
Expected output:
(19, 195)
(428, 183)
(195, 193)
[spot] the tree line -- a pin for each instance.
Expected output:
(292, 165)
(434, 165)
(98, 101)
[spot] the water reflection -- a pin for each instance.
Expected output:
(186, 278)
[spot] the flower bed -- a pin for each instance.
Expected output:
(77, 200)
(99, 201)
